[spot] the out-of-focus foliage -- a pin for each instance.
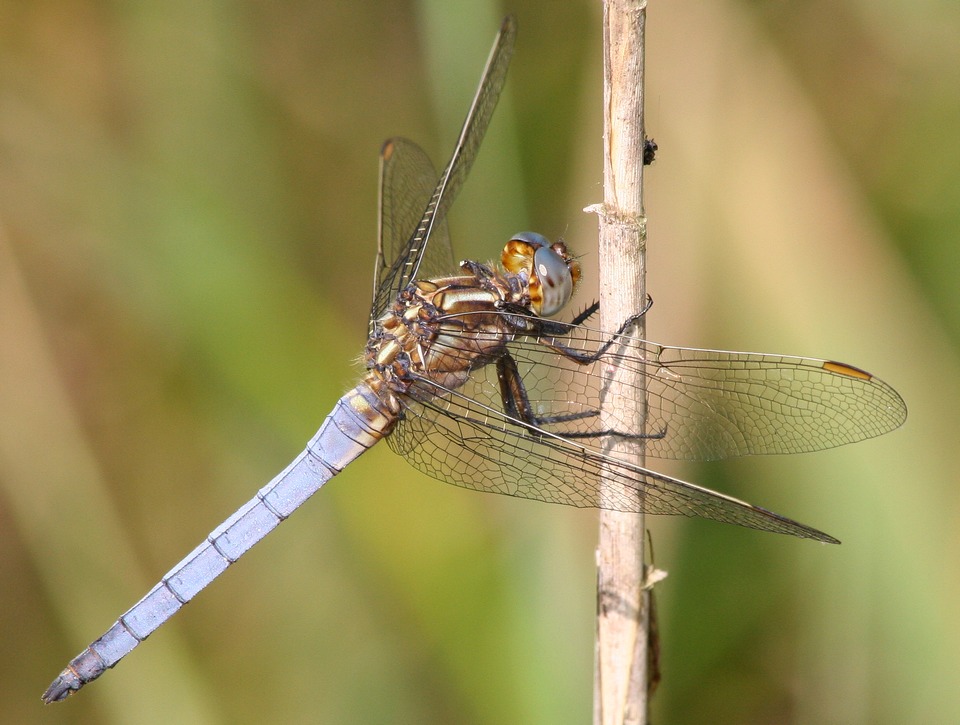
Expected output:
(187, 225)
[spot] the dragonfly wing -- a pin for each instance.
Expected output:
(701, 404)
(415, 258)
(463, 437)
(407, 183)
(723, 404)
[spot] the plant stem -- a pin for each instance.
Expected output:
(623, 605)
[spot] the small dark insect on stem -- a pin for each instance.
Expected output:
(649, 151)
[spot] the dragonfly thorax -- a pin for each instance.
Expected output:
(438, 330)
(548, 270)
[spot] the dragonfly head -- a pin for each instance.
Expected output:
(550, 270)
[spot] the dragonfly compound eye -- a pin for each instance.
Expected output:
(552, 282)
(550, 271)
(517, 256)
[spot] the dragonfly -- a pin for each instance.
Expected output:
(474, 381)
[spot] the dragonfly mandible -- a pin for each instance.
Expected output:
(471, 379)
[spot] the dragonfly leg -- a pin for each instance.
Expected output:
(585, 358)
(516, 403)
(483, 273)
(586, 314)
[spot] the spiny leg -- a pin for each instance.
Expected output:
(584, 358)
(516, 403)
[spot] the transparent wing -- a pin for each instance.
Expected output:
(710, 404)
(422, 249)
(407, 183)
(456, 438)
(702, 404)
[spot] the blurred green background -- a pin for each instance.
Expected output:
(187, 232)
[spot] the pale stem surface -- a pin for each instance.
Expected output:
(620, 687)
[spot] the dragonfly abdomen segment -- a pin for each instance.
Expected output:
(356, 423)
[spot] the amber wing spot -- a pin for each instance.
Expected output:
(844, 369)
